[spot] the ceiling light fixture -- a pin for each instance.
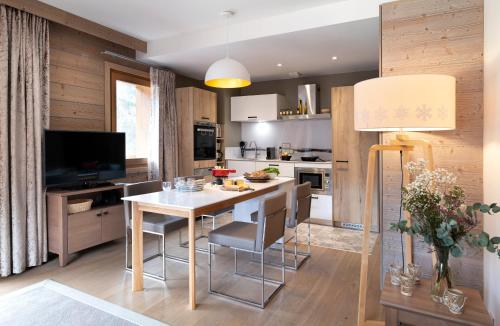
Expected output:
(334, 58)
(227, 72)
(279, 65)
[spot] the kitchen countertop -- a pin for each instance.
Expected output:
(277, 161)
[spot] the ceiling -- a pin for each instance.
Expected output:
(152, 19)
(308, 52)
(187, 36)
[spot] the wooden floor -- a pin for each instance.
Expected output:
(323, 292)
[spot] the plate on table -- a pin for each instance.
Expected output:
(257, 177)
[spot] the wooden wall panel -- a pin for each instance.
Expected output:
(77, 82)
(445, 37)
(77, 78)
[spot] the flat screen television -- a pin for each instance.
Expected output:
(76, 158)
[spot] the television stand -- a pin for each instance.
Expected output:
(71, 233)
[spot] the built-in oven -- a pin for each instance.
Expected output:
(204, 141)
(320, 179)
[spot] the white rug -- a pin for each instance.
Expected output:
(52, 303)
(334, 238)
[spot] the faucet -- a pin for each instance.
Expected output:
(255, 147)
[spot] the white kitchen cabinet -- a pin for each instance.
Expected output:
(257, 107)
(241, 166)
(321, 207)
(286, 169)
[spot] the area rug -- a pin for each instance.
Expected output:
(52, 303)
(334, 238)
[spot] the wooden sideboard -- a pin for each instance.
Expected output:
(70, 233)
(419, 309)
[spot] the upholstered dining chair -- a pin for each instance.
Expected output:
(300, 212)
(212, 215)
(255, 239)
(156, 224)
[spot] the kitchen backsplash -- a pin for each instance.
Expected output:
(315, 134)
(300, 134)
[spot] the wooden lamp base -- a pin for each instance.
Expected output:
(402, 143)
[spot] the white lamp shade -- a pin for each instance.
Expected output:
(227, 73)
(405, 103)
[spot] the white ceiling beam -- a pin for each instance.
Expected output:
(326, 15)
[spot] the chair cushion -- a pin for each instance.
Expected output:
(236, 234)
(158, 223)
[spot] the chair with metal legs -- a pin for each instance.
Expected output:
(300, 212)
(213, 216)
(254, 239)
(156, 224)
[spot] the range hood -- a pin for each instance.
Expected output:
(308, 95)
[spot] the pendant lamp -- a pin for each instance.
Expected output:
(227, 72)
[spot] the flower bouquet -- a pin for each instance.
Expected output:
(439, 214)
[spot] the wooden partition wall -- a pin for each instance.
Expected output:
(444, 37)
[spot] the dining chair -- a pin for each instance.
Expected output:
(300, 212)
(156, 224)
(212, 215)
(255, 239)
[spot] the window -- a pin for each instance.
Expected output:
(130, 109)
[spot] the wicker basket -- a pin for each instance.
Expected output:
(79, 205)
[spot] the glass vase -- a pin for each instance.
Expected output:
(441, 278)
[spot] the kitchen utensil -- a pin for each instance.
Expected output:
(190, 186)
(286, 157)
(309, 158)
(257, 179)
(242, 148)
(221, 174)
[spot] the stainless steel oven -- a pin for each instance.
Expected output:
(204, 142)
(320, 179)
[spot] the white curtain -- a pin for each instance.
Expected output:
(163, 152)
(24, 113)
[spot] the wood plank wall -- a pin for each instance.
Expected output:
(77, 82)
(445, 37)
(77, 78)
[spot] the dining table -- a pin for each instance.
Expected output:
(190, 205)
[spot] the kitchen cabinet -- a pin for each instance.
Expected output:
(350, 157)
(204, 105)
(286, 169)
(193, 105)
(321, 207)
(241, 166)
(257, 107)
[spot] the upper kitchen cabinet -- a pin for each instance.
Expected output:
(257, 107)
(204, 105)
(350, 159)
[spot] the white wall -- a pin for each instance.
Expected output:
(492, 149)
(301, 134)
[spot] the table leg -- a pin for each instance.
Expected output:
(137, 249)
(192, 261)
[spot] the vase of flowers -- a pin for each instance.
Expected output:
(439, 215)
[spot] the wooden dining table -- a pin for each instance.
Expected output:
(189, 205)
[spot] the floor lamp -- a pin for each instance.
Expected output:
(398, 103)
